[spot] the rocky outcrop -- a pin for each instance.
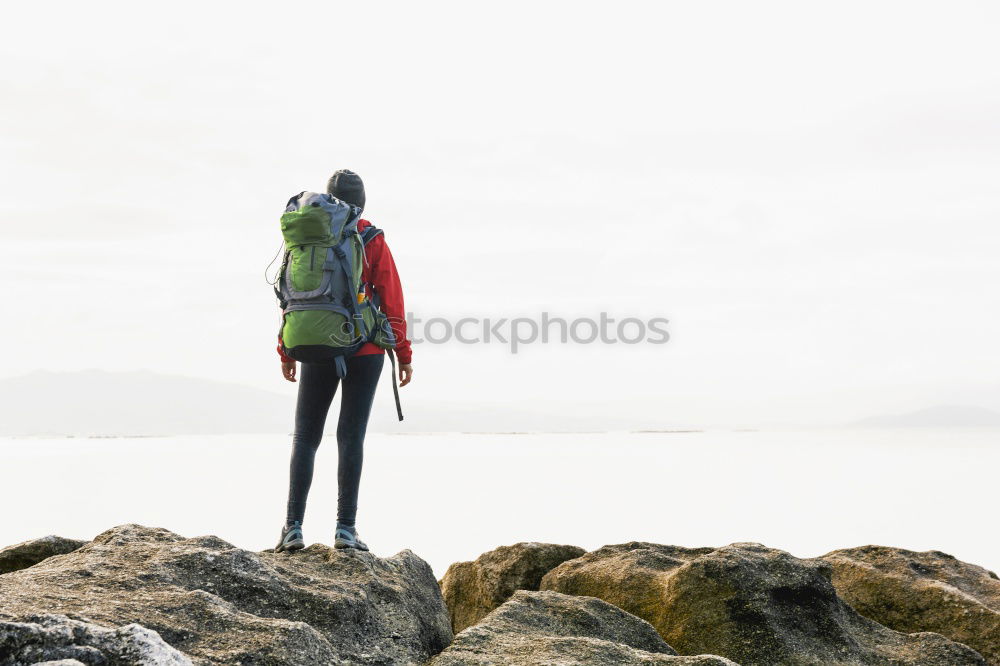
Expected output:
(749, 603)
(30, 553)
(930, 591)
(56, 639)
(219, 604)
(628, 575)
(139, 595)
(473, 589)
(542, 628)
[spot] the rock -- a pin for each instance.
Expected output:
(749, 603)
(29, 553)
(627, 575)
(930, 591)
(222, 605)
(473, 589)
(543, 628)
(58, 640)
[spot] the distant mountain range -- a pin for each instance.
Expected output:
(102, 403)
(138, 403)
(96, 402)
(942, 416)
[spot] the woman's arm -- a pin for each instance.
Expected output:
(288, 366)
(384, 277)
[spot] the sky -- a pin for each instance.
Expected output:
(808, 193)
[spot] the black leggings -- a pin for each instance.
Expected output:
(317, 386)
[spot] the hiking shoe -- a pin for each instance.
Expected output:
(347, 537)
(291, 538)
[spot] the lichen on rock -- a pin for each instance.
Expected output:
(751, 604)
(922, 591)
(57, 640)
(473, 589)
(219, 604)
(543, 628)
(29, 553)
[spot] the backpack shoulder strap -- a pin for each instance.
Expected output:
(369, 233)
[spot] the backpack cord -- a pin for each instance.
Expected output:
(276, 275)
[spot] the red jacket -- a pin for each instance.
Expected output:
(380, 272)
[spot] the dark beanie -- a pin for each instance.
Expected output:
(347, 186)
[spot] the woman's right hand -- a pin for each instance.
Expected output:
(288, 370)
(405, 373)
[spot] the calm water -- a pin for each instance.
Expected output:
(449, 497)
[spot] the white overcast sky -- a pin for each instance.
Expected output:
(808, 191)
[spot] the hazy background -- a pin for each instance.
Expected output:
(808, 492)
(808, 192)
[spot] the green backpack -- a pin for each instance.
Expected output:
(325, 315)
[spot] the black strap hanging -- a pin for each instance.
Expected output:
(395, 387)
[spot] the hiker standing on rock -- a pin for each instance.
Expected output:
(342, 308)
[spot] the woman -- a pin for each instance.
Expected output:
(318, 384)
